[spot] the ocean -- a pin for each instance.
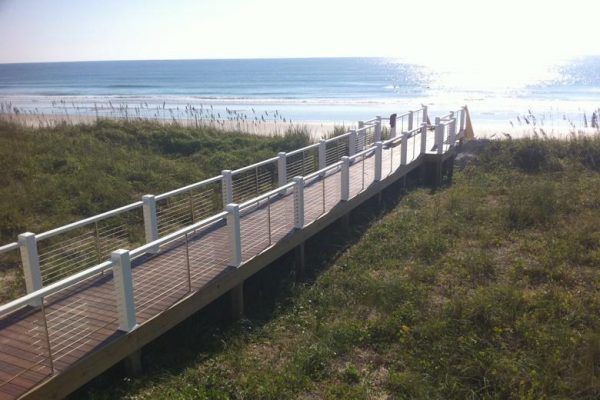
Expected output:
(332, 90)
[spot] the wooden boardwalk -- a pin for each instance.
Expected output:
(83, 319)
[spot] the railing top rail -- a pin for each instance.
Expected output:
(312, 146)
(412, 131)
(333, 139)
(86, 221)
(138, 251)
(9, 247)
(189, 187)
(266, 195)
(365, 128)
(321, 171)
(53, 288)
(255, 165)
(362, 153)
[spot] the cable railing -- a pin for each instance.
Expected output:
(187, 205)
(185, 240)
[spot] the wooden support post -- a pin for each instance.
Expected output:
(345, 222)
(282, 168)
(300, 260)
(437, 172)
(236, 296)
(410, 120)
(133, 364)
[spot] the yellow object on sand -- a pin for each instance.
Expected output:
(469, 134)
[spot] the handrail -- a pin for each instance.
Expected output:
(53, 288)
(293, 152)
(255, 165)
(86, 221)
(263, 196)
(321, 171)
(333, 139)
(138, 251)
(189, 187)
(9, 247)
(362, 153)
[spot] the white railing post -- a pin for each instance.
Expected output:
(424, 121)
(345, 178)
(378, 129)
(281, 168)
(235, 234)
(31, 261)
(378, 160)
(123, 282)
(439, 136)
(363, 134)
(150, 219)
(227, 187)
(352, 143)
(410, 120)
(404, 149)
(424, 138)
(298, 202)
(322, 153)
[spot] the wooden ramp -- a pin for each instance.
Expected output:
(51, 347)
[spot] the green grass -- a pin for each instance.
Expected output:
(487, 289)
(51, 176)
(57, 175)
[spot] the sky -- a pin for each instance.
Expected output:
(513, 33)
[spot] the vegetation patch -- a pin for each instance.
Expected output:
(484, 289)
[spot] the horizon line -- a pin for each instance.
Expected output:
(196, 59)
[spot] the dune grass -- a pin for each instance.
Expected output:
(56, 175)
(484, 289)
